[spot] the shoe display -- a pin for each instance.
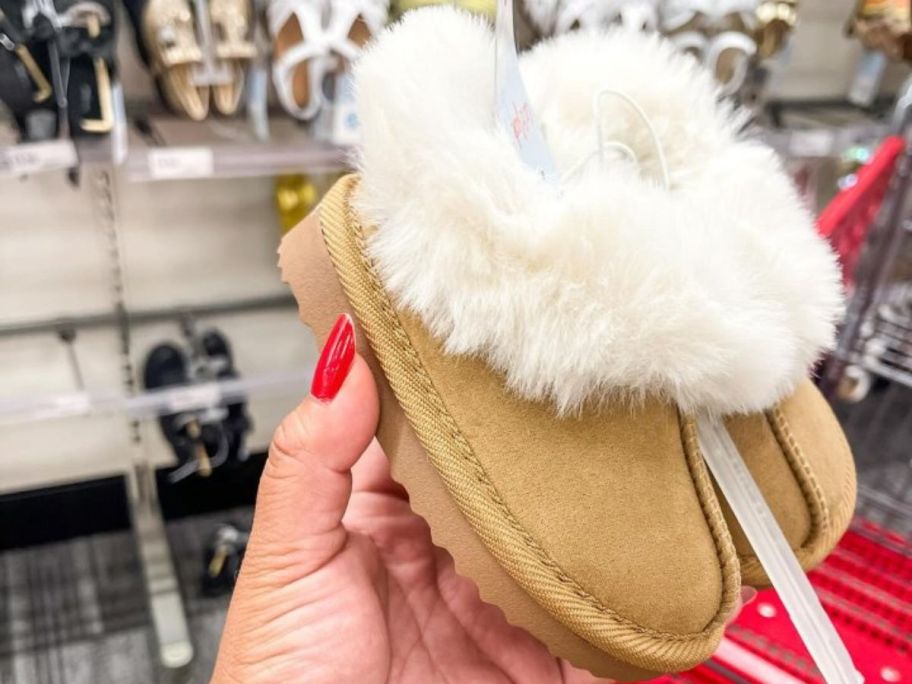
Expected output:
(721, 35)
(232, 25)
(165, 31)
(205, 439)
(222, 558)
(219, 364)
(314, 39)
(883, 25)
(87, 39)
(24, 85)
(301, 54)
(25, 76)
(541, 355)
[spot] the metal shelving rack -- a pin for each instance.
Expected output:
(161, 149)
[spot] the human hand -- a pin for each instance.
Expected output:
(341, 582)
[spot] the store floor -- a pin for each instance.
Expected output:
(75, 612)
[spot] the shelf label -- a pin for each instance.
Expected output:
(193, 397)
(817, 143)
(181, 162)
(77, 404)
(21, 160)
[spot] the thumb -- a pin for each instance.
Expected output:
(307, 481)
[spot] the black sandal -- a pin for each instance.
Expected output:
(24, 85)
(87, 41)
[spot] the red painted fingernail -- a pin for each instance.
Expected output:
(335, 360)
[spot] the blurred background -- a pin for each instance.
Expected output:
(153, 152)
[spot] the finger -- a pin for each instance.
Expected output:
(371, 474)
(307, 481)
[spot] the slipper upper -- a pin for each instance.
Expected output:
(715, 293)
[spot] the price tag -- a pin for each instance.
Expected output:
(27, 158)
(811, 143)
(193, 397)
(77, 404)
(345, 128)
(513, 111)
(868, 76)
(181, 162)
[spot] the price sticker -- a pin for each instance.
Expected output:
(345, 127)
(181, 162)
(28, 158)
(193, 397)
(811, 143)
(76, 404)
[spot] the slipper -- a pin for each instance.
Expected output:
(540, 353)
(168, 35)
(300, 55)
(232, 28)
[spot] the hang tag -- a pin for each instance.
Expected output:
(512, 109)
(28, 158)
(868, 76)
(181, 162)
(345, 127)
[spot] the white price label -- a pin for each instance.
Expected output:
(811, 144)
(345, 127)
(181, 162)
(78, 404)
(20, 160)
(195, 397)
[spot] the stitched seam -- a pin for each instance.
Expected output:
(464, 449)
(807, 481)
(712, 512)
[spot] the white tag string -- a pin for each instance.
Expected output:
(775, 555)
(604, 145)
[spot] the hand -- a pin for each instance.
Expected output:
(341, 582)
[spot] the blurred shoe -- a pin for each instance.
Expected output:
(232, 30)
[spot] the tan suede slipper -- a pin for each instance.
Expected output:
(537, 381)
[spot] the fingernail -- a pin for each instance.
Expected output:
(748, 594)
(335, 360)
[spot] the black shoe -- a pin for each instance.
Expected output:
(198, 438)
(238, 423)
(86, 44)
(25, 80)
(222, 559)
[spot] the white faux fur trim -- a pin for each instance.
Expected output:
(717, 294)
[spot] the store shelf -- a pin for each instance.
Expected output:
(176, 149)
(26, 159)
(135, 317)
(155, 403)
(822, 142)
